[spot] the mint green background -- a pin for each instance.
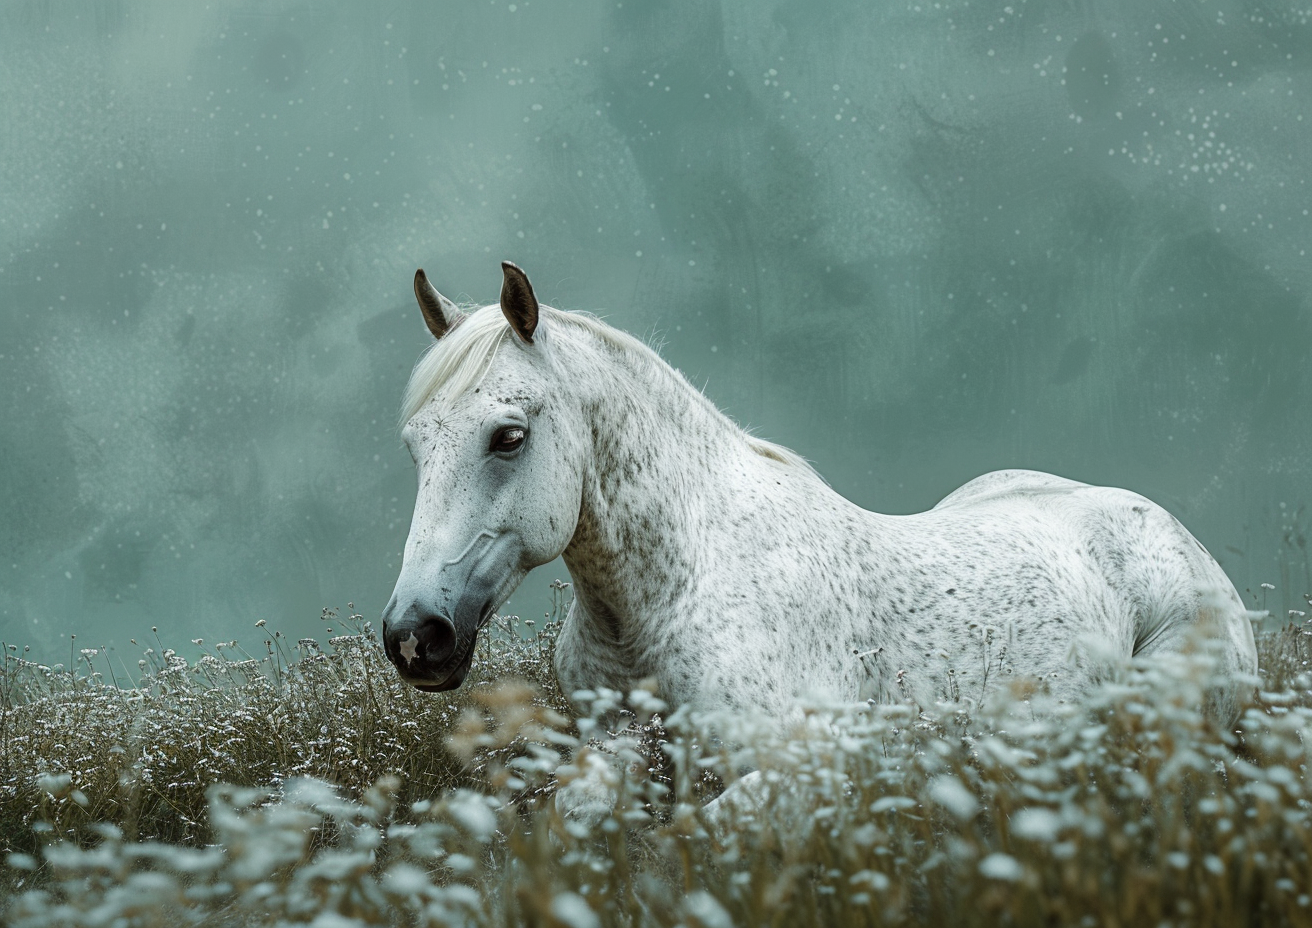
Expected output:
(914, 241)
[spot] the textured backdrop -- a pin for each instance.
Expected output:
(915, 241)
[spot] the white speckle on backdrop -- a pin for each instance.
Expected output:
(914, 245)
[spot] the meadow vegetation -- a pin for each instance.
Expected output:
(307, 785)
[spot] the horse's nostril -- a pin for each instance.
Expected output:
(421, 646)
(437, 639)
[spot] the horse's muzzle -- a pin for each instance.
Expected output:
(432, 622)
(427, 649)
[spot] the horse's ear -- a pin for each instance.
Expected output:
(440, 313)
(518, 302)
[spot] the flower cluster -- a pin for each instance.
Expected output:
(381, 807)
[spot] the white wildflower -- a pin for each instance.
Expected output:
(951, 794)
(1000, 866)
(1036, 824)
(706, 910)
(572, 910)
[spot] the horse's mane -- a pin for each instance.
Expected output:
(460, 360)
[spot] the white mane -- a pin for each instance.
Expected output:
(457, 363)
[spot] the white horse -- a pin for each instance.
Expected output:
(723, 567)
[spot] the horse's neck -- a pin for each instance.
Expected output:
(665, 469)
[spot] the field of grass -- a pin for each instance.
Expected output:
(306, 785)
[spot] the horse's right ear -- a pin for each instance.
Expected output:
(440, 313)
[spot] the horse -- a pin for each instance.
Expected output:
(723, 567)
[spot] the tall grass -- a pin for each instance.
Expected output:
(77, 750)
(311, 787)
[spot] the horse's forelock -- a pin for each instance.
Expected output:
(457, 362)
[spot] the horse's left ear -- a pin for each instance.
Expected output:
(440, 314)
(518, 302)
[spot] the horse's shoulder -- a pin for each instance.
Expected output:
(1014, 483)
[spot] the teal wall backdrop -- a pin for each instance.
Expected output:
(915, 241)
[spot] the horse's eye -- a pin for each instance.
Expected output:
(508, 439)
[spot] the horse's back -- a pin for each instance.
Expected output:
(1004, 483)
(1172, 586)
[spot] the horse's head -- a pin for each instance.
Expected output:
(499, 477)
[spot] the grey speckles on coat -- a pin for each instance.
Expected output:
(735, 577)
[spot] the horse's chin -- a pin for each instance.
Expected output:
(433, 688)
(453, 681)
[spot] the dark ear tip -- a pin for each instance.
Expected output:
(420, 275)
(511, 266)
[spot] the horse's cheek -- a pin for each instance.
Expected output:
(562, 487)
